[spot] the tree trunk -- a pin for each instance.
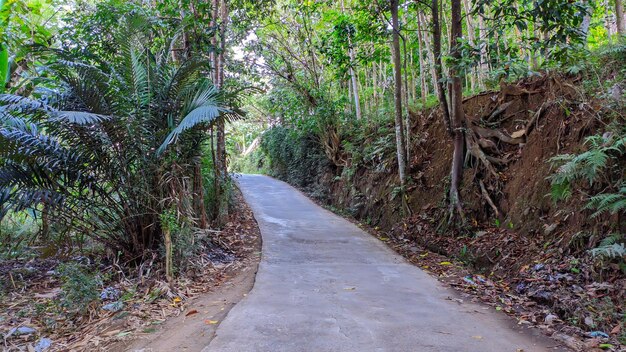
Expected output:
(456, 102)
(441, 90)
(198, 193)
(169, 267)
(619, 17)
(355, 83)
(420, 41)
(395, 50)
(483, 67)
(607, 20)
(221, 134)
(471, 38)
(584, 26)
(407, 115)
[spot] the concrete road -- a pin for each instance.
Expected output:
(325, 285)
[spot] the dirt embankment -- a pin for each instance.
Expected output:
(517, 235)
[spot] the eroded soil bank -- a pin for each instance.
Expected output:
(520, 250)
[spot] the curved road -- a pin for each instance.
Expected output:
(325, 285)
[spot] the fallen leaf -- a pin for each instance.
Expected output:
(210, 322)
(51, 294)
(518, 134)
(350, 288)
(616, 329)
(477, 337)
(445, 263)
(191, 312)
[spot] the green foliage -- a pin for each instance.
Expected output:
(611, 203)
(253, 163)
(17, 230)
(87, 144)
(561, 18)
(603, 152)
(292, 156)
(80, 288)
(612, 248)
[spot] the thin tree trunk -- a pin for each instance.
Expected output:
(395, 50)
(198, 193)
(407, 115)
(483, 68)
(456, 99)
(355, 84)
(607, 21)
(584, 26)
(420, 40)
(168, 256)
(619, 17)
(471, 38)
(443, 101)
(221, 134)
(431, 56)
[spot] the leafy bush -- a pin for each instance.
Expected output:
(603, 153)
(16, 231)
(80, 288)
(294, 157)
(93, 148)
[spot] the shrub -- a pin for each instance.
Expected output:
(80, 287)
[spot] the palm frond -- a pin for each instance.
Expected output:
(205, 114)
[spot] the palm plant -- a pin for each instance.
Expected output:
(113, 146)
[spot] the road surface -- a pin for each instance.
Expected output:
(325, 285)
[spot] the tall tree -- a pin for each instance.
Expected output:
(456, 103)
(619, 17)
(441, 90)
(422, 62)
(397, 69)
(221, 133)
(353, 75)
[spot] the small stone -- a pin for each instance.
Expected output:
(548, 229)
(550, 318)
(542, 296)
(22, 330)
(113, 307)
(589, 322)
(110, 293)
(43, 344)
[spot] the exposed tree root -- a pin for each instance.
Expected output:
(488, 198)
(532, 123)
(499, 110)
(492, 133)
(474, 148)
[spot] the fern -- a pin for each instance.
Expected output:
(613, 251)
(603, 151)
(611, 203)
